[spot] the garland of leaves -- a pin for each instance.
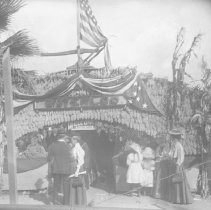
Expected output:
(27, 120)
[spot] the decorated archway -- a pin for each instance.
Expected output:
(121, 101)
(119, 106)
(29, 120)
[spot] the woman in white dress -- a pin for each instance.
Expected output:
(148, 166)
(135, 172)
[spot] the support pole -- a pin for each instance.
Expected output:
(11, 156)
(78, 36)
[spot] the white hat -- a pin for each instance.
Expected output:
(175, 132)
(148, 153)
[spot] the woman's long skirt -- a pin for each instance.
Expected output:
(157, 177)
(174, 192)
(167, 168)
(182, 190)
(78, 191)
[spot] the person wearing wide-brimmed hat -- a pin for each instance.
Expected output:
(135, 173)
(59, 159)
(179, 191)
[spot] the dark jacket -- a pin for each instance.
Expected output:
(50, 139)
(59, 156)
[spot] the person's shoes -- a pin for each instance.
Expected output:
(57, 203)
(157, 196)
(133, 194)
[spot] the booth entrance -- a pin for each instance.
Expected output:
(102, 149)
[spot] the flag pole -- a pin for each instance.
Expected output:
(11, 156)
(78, 35)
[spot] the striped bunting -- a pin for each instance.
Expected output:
(90, 32)
(116, 88)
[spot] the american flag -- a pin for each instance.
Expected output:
(90, 32)
(138, 96)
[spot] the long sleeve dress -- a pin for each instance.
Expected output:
(182, 194)
(77, 184)
(87, 163)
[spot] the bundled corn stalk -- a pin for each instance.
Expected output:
(27, 120)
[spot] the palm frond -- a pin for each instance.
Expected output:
(180, 42)
(31, 73)
(206, 73)
(21, 45)
(188, 75)
(196, 40)
(204, 64)
(187, 55)
(22, 79)
(7, 9)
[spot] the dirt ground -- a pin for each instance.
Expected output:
(95, 197)
(100, 198)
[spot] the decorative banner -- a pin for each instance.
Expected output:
(65, 103)
(81, 91)
(81, 126)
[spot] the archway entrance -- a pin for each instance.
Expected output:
(102, 149)
(106, 141)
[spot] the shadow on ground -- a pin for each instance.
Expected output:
(42, 197)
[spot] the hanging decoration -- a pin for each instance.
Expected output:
(127, 115)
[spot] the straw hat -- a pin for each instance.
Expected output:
(148, 153)
(175, 132)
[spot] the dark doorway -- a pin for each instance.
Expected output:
(102, 151)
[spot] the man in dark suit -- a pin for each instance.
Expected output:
(51, 136)
(59, 160)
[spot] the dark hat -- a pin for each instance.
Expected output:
(73, 133)
(175, 132)
(61, 133)
(76, 137)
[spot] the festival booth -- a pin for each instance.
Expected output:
(106, 112)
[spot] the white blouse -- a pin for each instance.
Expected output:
(78, 154)
(179, 153)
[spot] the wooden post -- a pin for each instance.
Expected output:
(11, 153)
(78, 35)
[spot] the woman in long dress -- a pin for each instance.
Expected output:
(181, 189)
(87, 162)
(77, 182)
(135, 172)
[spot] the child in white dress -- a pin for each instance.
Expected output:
(135, 172)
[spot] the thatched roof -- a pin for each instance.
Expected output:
(133, 119)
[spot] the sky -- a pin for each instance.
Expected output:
(141, 33)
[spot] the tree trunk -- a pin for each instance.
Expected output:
(174, 92)
(203, 187)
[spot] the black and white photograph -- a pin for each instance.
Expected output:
(105, 104)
